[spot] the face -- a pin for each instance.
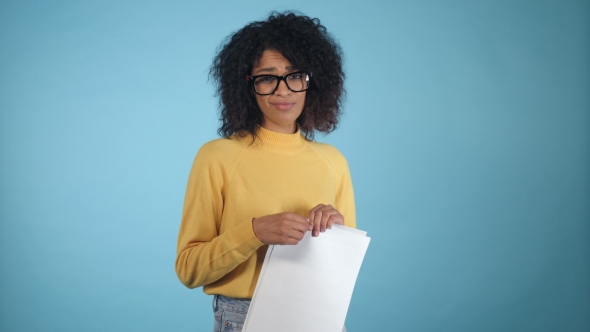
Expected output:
(283, 107)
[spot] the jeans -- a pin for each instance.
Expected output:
(230, 313)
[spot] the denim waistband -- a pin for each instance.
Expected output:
(231, 304)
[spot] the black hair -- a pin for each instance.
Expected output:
(307, 45)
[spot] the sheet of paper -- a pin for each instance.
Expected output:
(308, 287)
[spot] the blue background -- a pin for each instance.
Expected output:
(467, 130)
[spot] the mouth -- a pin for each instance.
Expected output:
(283, 106)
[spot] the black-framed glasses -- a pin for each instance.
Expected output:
(268, 84)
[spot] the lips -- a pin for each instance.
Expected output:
(283, 106)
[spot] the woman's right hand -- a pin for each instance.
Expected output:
(281, 228)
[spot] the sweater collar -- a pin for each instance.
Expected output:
(270, 140)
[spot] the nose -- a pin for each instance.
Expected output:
(282, 89)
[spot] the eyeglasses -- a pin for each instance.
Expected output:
(267, 84)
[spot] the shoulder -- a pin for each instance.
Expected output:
(327, 150)
(330, 154)
(221, 145)
(221, 150)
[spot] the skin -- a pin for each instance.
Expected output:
(282, 108)
(281, 111)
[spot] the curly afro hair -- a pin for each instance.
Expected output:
(307, 45)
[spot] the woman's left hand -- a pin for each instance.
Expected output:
(322, 217)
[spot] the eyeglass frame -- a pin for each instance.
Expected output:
(250, 79)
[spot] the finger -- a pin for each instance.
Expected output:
(295, 217)
(296, 221)
(289, 241)
(335, 219)
(317, 222)
(287, 235)
(298, 225)
(311, 213)
(313, 219)
(326, 215)
(305, 223)
(326, 212)
(295, 234)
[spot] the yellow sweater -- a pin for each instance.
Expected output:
(233, 181)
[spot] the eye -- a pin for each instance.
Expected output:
(295, 76)
(265, 80)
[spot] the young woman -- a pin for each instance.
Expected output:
(266, 181)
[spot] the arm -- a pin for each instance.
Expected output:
(207, 249)
(322, 217)
(345, 197)
(203, 254)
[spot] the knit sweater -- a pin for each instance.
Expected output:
(233, 181)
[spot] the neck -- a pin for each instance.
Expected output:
(287, 129)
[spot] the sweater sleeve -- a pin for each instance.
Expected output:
(345, 195)
(204, 255)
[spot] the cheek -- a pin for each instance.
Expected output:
(260, 101)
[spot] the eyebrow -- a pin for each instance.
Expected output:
(271, 69)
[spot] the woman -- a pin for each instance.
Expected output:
(266, 182)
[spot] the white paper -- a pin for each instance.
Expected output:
(308, 287)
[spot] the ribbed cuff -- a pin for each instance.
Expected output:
(243, 234)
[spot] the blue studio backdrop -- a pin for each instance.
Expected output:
(466, 127)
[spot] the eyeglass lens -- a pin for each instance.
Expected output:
(296, 82)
